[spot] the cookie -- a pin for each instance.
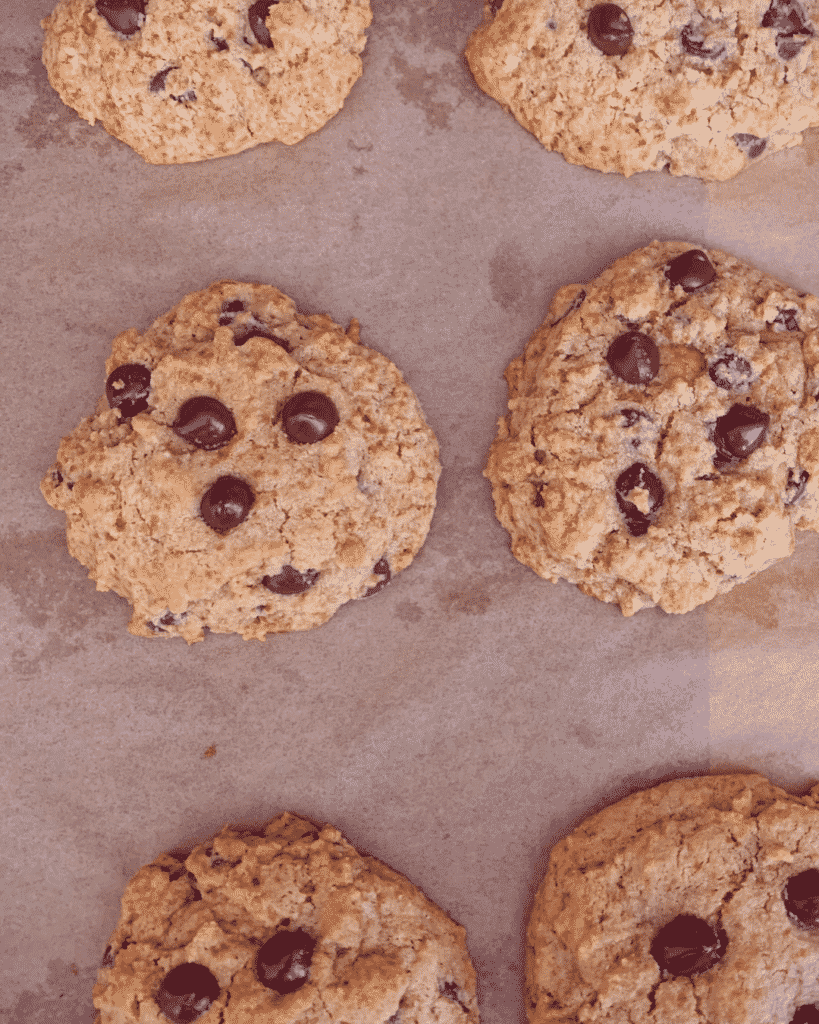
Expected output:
(186, 80)
(249, 469)
(700, 89)
(287, 924)
(694, 902)
(662, 439)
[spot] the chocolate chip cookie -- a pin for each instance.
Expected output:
(662, 439)
(699, 89)
(287, 924)
(186, 80)
(696, 901)
(249, 469)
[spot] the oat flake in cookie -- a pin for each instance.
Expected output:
(662, 439)
(249, 469)
(287, 924)
(694, 902)
(699, 89)
(186, 80)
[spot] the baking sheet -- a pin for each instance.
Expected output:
(472, 714)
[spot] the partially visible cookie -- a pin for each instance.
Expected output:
(699, 89)
(694, 902)
(662, 439)
(186, 80)
(249, 469)
(289, 924)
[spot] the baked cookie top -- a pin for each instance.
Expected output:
(186, 80)
(699, 89)
(695, 901)
(250, 469)
(289, 924)
(662, 439)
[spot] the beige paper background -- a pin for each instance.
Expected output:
(472, 714)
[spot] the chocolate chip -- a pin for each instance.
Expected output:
(245, 332)
(309, 417)
(185, 97)
(495, 5)
(229, 310)
(691, 270)
(283, 962)
(220, 43)
(577, 302)
(127, 389)
(787, 47)
(226, 503)
(167, 619)
(806, 1014)
(538, 501)
(786, 320)
(688, 945)
(257, 15)
(638, 475)
(739, 433)
(634, 358)
(124, 16)
(450, 991)
(801, 898)
(291, 581)
(692, 38)
(731, 372)
(751, 145)
(795, 487)
(610, 30)
(187, 992)
(631, 416)
(381, 568)
(108, 957)
(159, 80)
(205, 422)
(787, 17)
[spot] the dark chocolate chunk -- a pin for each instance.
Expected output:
(291, 581)
(739, 433)
(283, 962)
(688, 945)
(221, 44)
(205, 422)
(159, 80)
(751, 145)
(187, 992)
(808, 1013)
(692, 38)
(309, 417)
(257, 15)
(801, 898)
(243, 334)
(731, 372)
(639, 475)
(786, 320)
(795, 487)
(691, 270)
(787, 17)
(381, 568)
(124, 16)
(610, 30)
(634, 358)
(127, 389)
(226, 503)
(229, 310)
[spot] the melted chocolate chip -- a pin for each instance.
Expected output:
(127, 389)
(806, 1014)
(226, 503)
(690, 270)
(257, 15)
(795, 487)
(205, 422)
(634, 358)
(751, 145)
(108, 957)
(283, 962)
(801, 898)
(638, 475)
(739, 433)
(495, 5)
(731, 372)
(220, 43)
(159, 80)
(187, 992)
(786, 320)
(381, 568)
(243, 334)
(229, 310)
(631, 416)
(538, 501)
(124, 16)
(688, 945)
(787, 47)
(291, 581)
(450, 991)
(787, 17)
(610, 30)
(309, 417)
(692, 38)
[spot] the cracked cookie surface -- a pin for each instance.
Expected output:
(695, 89)
(734, 852)
(250, 469)
(290, 924)
(662, 439)
(187, 80)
